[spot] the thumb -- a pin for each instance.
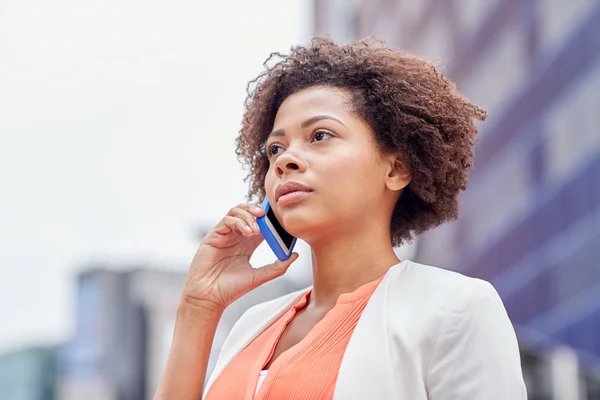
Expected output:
(273, 270)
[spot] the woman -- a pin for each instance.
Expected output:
(379, 145)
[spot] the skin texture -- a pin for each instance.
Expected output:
(384, 143)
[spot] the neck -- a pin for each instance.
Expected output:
(348, 261)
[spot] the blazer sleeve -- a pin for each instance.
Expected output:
(476, 355)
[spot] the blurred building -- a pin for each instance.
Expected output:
(530, 220)
(123, 327)
(29, 374)
(124, 323)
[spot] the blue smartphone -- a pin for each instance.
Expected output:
(279, 240)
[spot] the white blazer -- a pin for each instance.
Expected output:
(425, 334)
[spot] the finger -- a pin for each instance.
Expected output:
(250, 243)
(222, 228)
(253, 209)
(245, 215)
(229, 223)
(273, 270)
(255, 241)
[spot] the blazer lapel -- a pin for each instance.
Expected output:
(258, 324)
(366, 369)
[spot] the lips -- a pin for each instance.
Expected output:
(290, 187)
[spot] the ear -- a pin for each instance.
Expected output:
(398, 176)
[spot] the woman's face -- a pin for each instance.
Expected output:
(317, 142)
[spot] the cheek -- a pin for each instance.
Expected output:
(354, 177)
(269, 183)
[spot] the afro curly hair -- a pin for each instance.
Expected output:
(413, 110)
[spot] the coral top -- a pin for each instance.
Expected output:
(309, 369)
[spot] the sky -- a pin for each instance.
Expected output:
(117, 128)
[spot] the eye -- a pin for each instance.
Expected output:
(273, 150)
(319, 136)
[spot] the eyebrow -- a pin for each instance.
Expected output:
(307, 123)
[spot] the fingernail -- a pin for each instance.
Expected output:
(255, 225)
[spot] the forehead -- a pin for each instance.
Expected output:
(311, 101)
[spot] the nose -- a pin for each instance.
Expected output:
(288, 162)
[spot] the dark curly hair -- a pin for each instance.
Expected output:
(412, 108)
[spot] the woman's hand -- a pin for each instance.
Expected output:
(220, 272)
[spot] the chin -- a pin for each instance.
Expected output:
(300, 222)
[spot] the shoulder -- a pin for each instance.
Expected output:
(439, 286)
(427, 296)
(460, 328)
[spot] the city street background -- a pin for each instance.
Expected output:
(117, 128)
